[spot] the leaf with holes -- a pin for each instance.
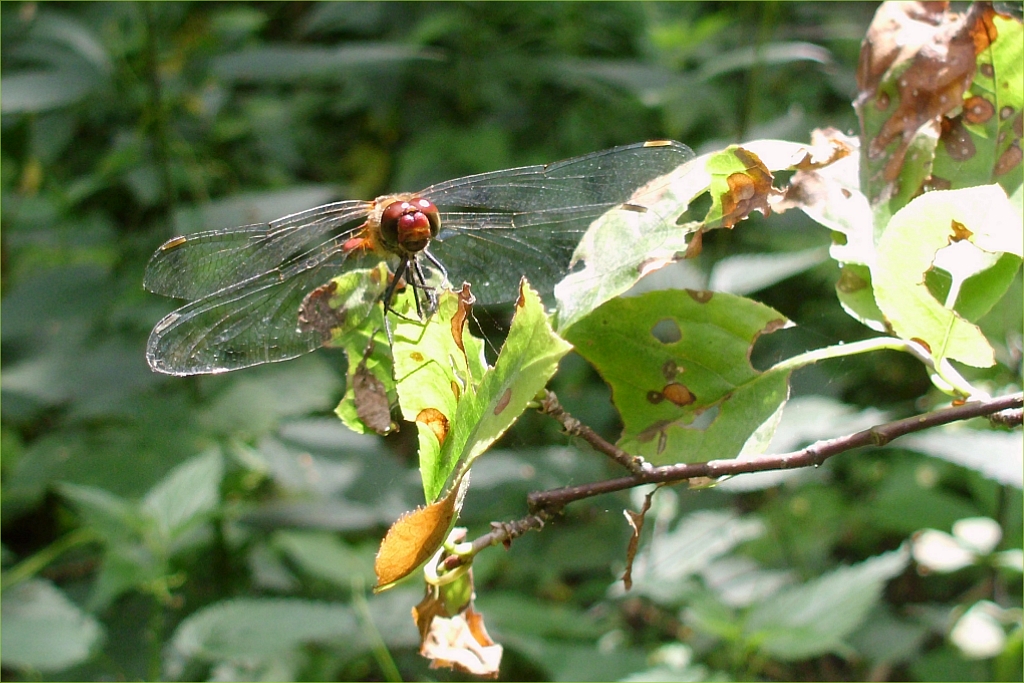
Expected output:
(655, 228)
(678, 365)
(977, 220)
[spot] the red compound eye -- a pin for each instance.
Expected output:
(408, 227)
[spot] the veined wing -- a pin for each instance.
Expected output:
(251, 322)
(600, 179)
(197, 265)
(532, 218)
(493, 251)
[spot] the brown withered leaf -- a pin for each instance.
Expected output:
(636, 523)
(461, 643)
(748, 191)
(828, 145)
(316, 313)
(931, 55)
(415, 537)
(371, 397)
(436, 421)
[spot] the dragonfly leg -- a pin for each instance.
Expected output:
(437, 264)
(429, 291)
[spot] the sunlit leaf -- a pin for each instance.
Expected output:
(684, 385)
(915, 66)
(907, 249)
(416, 536)
(434, 375)
(981, 145)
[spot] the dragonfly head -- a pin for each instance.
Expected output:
(406, 227)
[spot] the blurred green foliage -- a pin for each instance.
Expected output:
(225, 527)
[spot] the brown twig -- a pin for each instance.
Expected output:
(1008, 418)
(549, 405)
(552, 501)
(501, 532)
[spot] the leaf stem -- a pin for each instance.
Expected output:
(950, 381)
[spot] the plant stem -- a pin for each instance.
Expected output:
(554, 500)
(380, 648)
(34, 564)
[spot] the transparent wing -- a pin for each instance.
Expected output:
(530, 220)
(197, 265)
(249, 323)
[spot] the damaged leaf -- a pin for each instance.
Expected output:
(370, 395)
(353, 305)
(916, 82)
(526, 362)
(982, 143)
(740, 185)
(714, 400)
(452, 632)
(636, 524)
(910, 247)
(461, 643)
(435, 370)
(416, 536)
(655, 228)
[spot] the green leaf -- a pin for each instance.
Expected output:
(286, 64)
(983, 290)
(359, 315)
(247, 207)
(323, 555)
(433, 376)
(747, 273)
(125, 566)
(114, 518)
(678, 365)
(186, 496)
(526, 362)
(689, 549)
(622, 246)
(42, 90)
(907, 250)
(258, 630)
(260, 398)
(43, 629)
(477, 405)
(813, 619)
(996, 455)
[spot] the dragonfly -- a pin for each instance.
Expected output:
(245, 286)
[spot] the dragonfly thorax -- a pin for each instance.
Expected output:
(407, 226)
